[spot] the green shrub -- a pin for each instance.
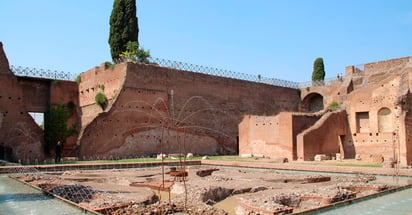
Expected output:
(109, 65)
(333, 106)
(101, 86)
(135, 54)
(78, 79)
(101, 100)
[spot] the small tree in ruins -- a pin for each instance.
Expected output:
(133, 53)
(56, 127)
(318, 73)
(123, 26)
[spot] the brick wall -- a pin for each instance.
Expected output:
(18, 130)
(273, 136)
(203, 110)
(386, 65)
(323, 137)
(99, 79)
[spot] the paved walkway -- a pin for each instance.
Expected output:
(311, 167)
(89, 166)
(254, 164)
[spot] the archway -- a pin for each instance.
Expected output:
(313, 102)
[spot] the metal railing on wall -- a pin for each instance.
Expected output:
(60, 75)
(219, 72)
(327, 81)
(41, 73)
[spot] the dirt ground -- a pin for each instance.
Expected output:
(225, 191)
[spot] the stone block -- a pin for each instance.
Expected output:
(159, 156)
(321, 157)
(339, 157)
(258, 155)
(189, 155)
(246, 155)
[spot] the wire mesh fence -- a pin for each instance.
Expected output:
(41, 73)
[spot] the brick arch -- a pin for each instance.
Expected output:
(312, 102)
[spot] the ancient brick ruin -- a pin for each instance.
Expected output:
(153, 109)
(21, 95)
(374, 120)
(146, 101)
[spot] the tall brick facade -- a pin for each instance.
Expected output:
(199, 110)
(18, 131)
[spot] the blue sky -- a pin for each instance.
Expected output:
(277, 39)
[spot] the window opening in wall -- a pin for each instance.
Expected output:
(38, 118)
(385, 120)
(362, 122)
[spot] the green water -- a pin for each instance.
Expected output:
(398, 203)
(19, 199)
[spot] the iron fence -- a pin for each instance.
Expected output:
(327, 81)
(218, 72)
(60, 75)
(41, 73)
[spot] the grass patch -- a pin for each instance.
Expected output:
(130, 160)
(348, 163)
(236, 158)
(357, 165)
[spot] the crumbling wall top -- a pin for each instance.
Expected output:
(386, 65)
(4, 63)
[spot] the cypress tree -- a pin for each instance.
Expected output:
(123, 26)
(318, 73)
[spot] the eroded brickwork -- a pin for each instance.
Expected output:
(18, 131)
(200, 110)
(374, 121)
(21, 95)
(273, 136)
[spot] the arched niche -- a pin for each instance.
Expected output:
(385, 120)
(312, 103)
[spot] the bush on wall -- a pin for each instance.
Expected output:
(101, 100)
(333, 106)
(78, 79)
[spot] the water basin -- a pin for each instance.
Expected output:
(399, 203)
(19, 199)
